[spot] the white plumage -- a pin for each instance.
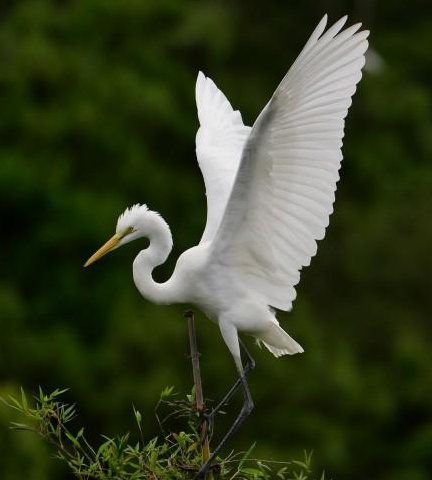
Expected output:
(219, 144)
(270, 191)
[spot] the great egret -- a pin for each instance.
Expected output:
(270, 191)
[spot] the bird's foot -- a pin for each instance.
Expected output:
(204, 470)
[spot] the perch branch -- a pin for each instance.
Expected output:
(198, 387)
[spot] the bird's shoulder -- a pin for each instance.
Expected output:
(195, 258)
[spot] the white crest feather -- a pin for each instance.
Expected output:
(127, 218)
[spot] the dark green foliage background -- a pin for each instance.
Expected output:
(97, 112)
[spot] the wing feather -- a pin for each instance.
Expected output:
(219, 143)
(285, 186)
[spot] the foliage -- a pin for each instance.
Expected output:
(174, 456)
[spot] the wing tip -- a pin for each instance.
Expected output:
(321, 26)
(337, 26)
(201, 78)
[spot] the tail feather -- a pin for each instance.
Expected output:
(278, 342)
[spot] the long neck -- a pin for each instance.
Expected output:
(160, 247)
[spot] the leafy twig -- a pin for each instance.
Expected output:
(173, 456)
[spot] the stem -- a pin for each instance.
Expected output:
(198, 387)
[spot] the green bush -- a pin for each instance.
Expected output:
(169, 456)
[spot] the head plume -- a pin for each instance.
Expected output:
(130, 217)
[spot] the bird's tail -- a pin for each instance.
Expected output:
(278, 342)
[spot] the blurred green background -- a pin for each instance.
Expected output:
(97, 112)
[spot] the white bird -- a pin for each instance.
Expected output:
(270, 190)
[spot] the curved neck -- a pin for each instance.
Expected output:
(156, 254)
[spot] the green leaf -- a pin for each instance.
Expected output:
(263, 466)
(308, 457)
(281, 472)
(20, 426)
(253, 471)
(192, 447)
(72, 439)
(138, 416)
(15, 402)
(166, 392)
(58, 392)
(299, 476)
(41, 394)
(246, 455)
(24, 400)
(68, 413)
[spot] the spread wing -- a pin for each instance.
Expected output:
(219, 144)
(284, 190)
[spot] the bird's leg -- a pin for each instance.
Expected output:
(249, 366)
(244, 412)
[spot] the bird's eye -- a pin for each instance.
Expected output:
(130, 230)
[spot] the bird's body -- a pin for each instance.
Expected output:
(270, 190)
(209, 285)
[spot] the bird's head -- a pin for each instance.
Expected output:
(131, 225)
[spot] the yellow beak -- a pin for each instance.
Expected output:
(110, 245)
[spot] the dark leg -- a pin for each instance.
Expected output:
(244, 412)
(249, 366)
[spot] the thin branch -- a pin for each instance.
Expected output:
(198, 388)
